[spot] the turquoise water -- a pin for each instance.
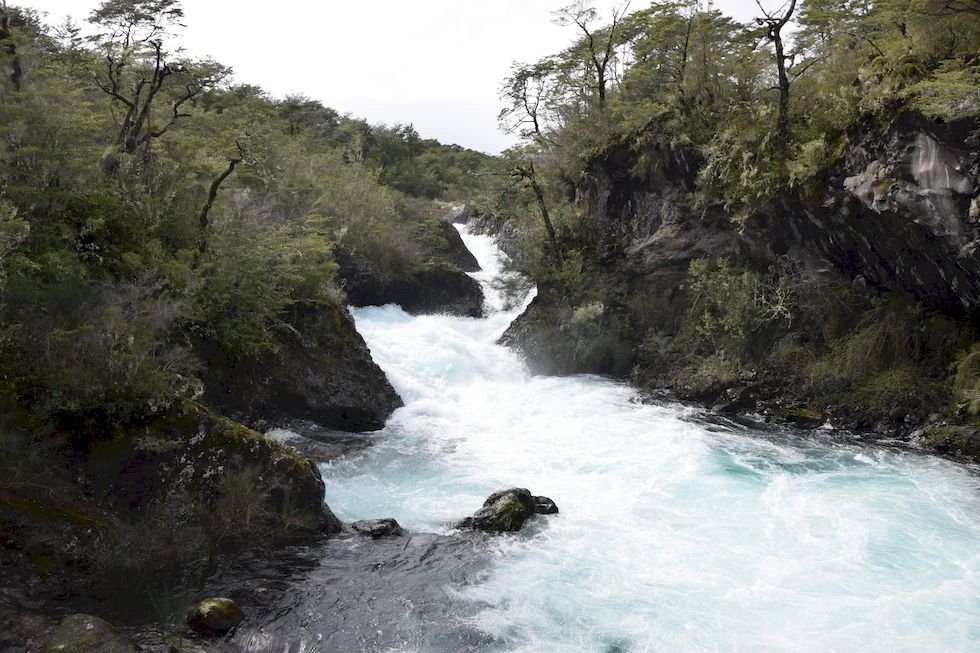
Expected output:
(676, 533)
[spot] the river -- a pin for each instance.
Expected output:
(678, 530)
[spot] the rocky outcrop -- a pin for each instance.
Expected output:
(23, 632)
(214, 616)
(82, 633)
(322, 372)
(431, 280)
(202, 468)
(900, 210)
(440, 239)
(892, 221)
(377, 528)
(592, 342)
(507, 511)
(430, 287)
(960, 441)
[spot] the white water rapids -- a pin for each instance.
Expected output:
(677, 532)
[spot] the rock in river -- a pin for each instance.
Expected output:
(377, 528)
(507, 510)
(214, 616)
(83, 633)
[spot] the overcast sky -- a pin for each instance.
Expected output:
(437, 64)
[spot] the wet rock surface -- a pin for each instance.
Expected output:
(431, 287)
(82, 633)
(352, 594)
(376, 528)
(432, 282)
(214, 616)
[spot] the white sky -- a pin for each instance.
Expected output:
(437, 64)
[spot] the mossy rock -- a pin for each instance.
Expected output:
(805, 417)
(440, 239)
(321, 371)
(25, 632)
(953, 440)
(82, 633)
(430, 284)
(503, 512)
(214, 616)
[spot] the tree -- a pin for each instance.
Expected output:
(774, 25)
(525, 172)
(138, 72)
(527, 93)
(600, 44)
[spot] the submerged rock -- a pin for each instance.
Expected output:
(507, 511)
(377, 528)
(83, 633)
(215, 616)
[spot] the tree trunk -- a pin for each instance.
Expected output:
(203, 220)
(545, 217)
(16, 69)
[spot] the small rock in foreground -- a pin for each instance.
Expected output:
(214, 616)
(377, 528)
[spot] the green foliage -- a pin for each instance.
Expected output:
(966, 382)
(153, 214)
(733, 307)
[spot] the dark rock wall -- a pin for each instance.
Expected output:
(323, 373)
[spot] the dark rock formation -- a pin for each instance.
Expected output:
(82, 633)
(22, 632)
(431, 279)
(215, 616)
(544, 506)
(595, 343)
(431, 286)
(323, 372)
(899, 210)
(963, 441)
(196, 456)
(376, 528)
(440, 239)
(507, 511)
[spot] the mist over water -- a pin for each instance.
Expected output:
(677, 532)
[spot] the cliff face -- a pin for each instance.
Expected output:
(900, 209)
(324, 373)
(893, 223)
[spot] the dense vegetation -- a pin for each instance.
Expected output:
(168, 235)
(728, 125)
(152, 210)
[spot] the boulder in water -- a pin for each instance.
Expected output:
(544, 506)
(215, 616)
(377, 528)
(83, 633)
(507, 511)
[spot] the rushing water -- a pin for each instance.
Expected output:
(677, 532)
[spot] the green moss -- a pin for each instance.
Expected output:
(966, 382)
(956, 440)
(49, 512)
(805, 415)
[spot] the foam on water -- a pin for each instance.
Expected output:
(675, 533)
